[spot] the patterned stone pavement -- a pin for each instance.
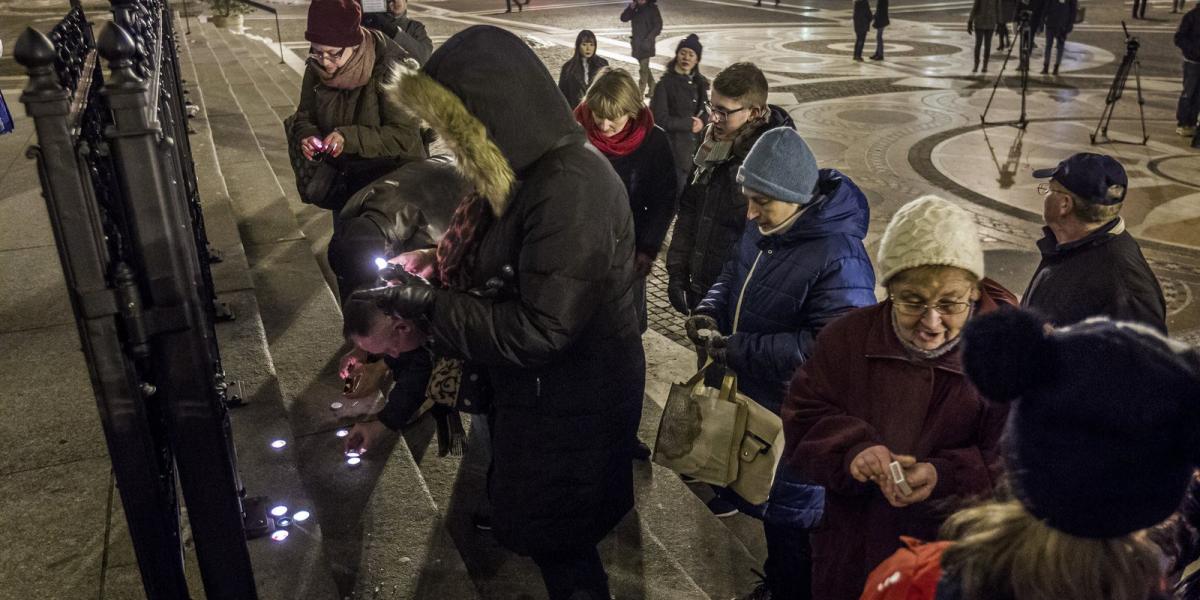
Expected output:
(911, 125)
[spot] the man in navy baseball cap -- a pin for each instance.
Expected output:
(1091, 266)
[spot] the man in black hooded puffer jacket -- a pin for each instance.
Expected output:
(560, 340)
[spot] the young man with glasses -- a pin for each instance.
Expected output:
(712, 209)
(1091, 265)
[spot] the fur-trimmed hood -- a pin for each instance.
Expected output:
(493, 102)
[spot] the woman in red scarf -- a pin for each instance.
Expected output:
(620, 126)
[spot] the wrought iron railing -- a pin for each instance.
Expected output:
(117, 174)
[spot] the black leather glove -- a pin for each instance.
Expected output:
(717, 348)
(695, 324)
(407, 301)
(677, 294)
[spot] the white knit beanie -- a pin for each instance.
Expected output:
(930, 231)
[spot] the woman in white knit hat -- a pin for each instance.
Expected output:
(885, 386)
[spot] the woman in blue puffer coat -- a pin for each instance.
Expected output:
(799, 265)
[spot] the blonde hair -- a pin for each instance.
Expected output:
(1002, 552)
(614, 94)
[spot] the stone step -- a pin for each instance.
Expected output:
(390, 544)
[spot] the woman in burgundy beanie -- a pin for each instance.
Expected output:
(344, 119)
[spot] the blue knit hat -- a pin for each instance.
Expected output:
(1105, 427)
(781, 166)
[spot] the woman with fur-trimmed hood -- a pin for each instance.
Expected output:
(534, 282)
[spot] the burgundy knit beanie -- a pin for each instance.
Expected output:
(335, 23)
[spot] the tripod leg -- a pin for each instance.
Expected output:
(999, 78)
(1137, 74)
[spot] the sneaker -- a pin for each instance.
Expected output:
(1185, 131)
(721, 508)
(481, 521)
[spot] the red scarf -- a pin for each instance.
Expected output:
(622, 144)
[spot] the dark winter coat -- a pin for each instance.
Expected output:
(862, 388)
(881, 14)
(678, 98)
(985, 14)
(647, 24)
(562, 346)
(712, 216)
(1101, 274)
(408, 33)
(649, 177)
(1060, 15)
(862, 16)
(410, 374)
(405, 210)
(802, 279)
(378, 128)
(1187, 37)
(1008, 11)
(572, 80)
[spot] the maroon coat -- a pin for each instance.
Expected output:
(859, 389)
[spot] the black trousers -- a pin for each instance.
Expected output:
(1002, 33)
(1053, 38)
(574, 575)
(879, 42)
(1139, 8)
(789, 562)
(860, 40)
(983, 39)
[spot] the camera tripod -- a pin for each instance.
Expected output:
(1117, 89)
(1024, 33)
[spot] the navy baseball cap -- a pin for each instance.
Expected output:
(1090, 176)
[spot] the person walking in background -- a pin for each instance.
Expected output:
(678, 104)
(712, 210)
(885, 385)
(800, 264)
(620, 126)
(509, 4)
(646, 23)
(1091, 266)
(881, 22)
(862, 25)
(982, 22)
(1187, 39)
(1008, 14)
(1139, 8)
(408, 33)
(579, 72)
(1177, 5)
(1060, 20)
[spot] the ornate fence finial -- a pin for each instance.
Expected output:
(36, 53)
(118, 48)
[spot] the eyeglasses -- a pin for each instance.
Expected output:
(1045, 189)
(330, 55)
(717, 111)
(916, 309)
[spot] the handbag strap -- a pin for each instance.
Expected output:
(729, 386)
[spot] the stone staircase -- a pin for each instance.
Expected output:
(398, 525)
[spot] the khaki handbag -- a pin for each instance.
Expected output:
(700, 431)
(720, 437)
(760, 449)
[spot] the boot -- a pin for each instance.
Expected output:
(1056, 70)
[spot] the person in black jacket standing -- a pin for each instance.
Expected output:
(647, 23)
(620, 126)
(862, 25)
(579, 72)
(1060, 20)
(1091, 266)
(1187, 39)
(678, 104)
(1139, 8)
(712, 209)
(408, 33)
(881, 22)
(534, 284)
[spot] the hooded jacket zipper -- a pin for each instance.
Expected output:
(737, 314)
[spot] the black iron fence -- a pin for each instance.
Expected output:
(117, 174)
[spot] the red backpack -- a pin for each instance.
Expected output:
(912, 573)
